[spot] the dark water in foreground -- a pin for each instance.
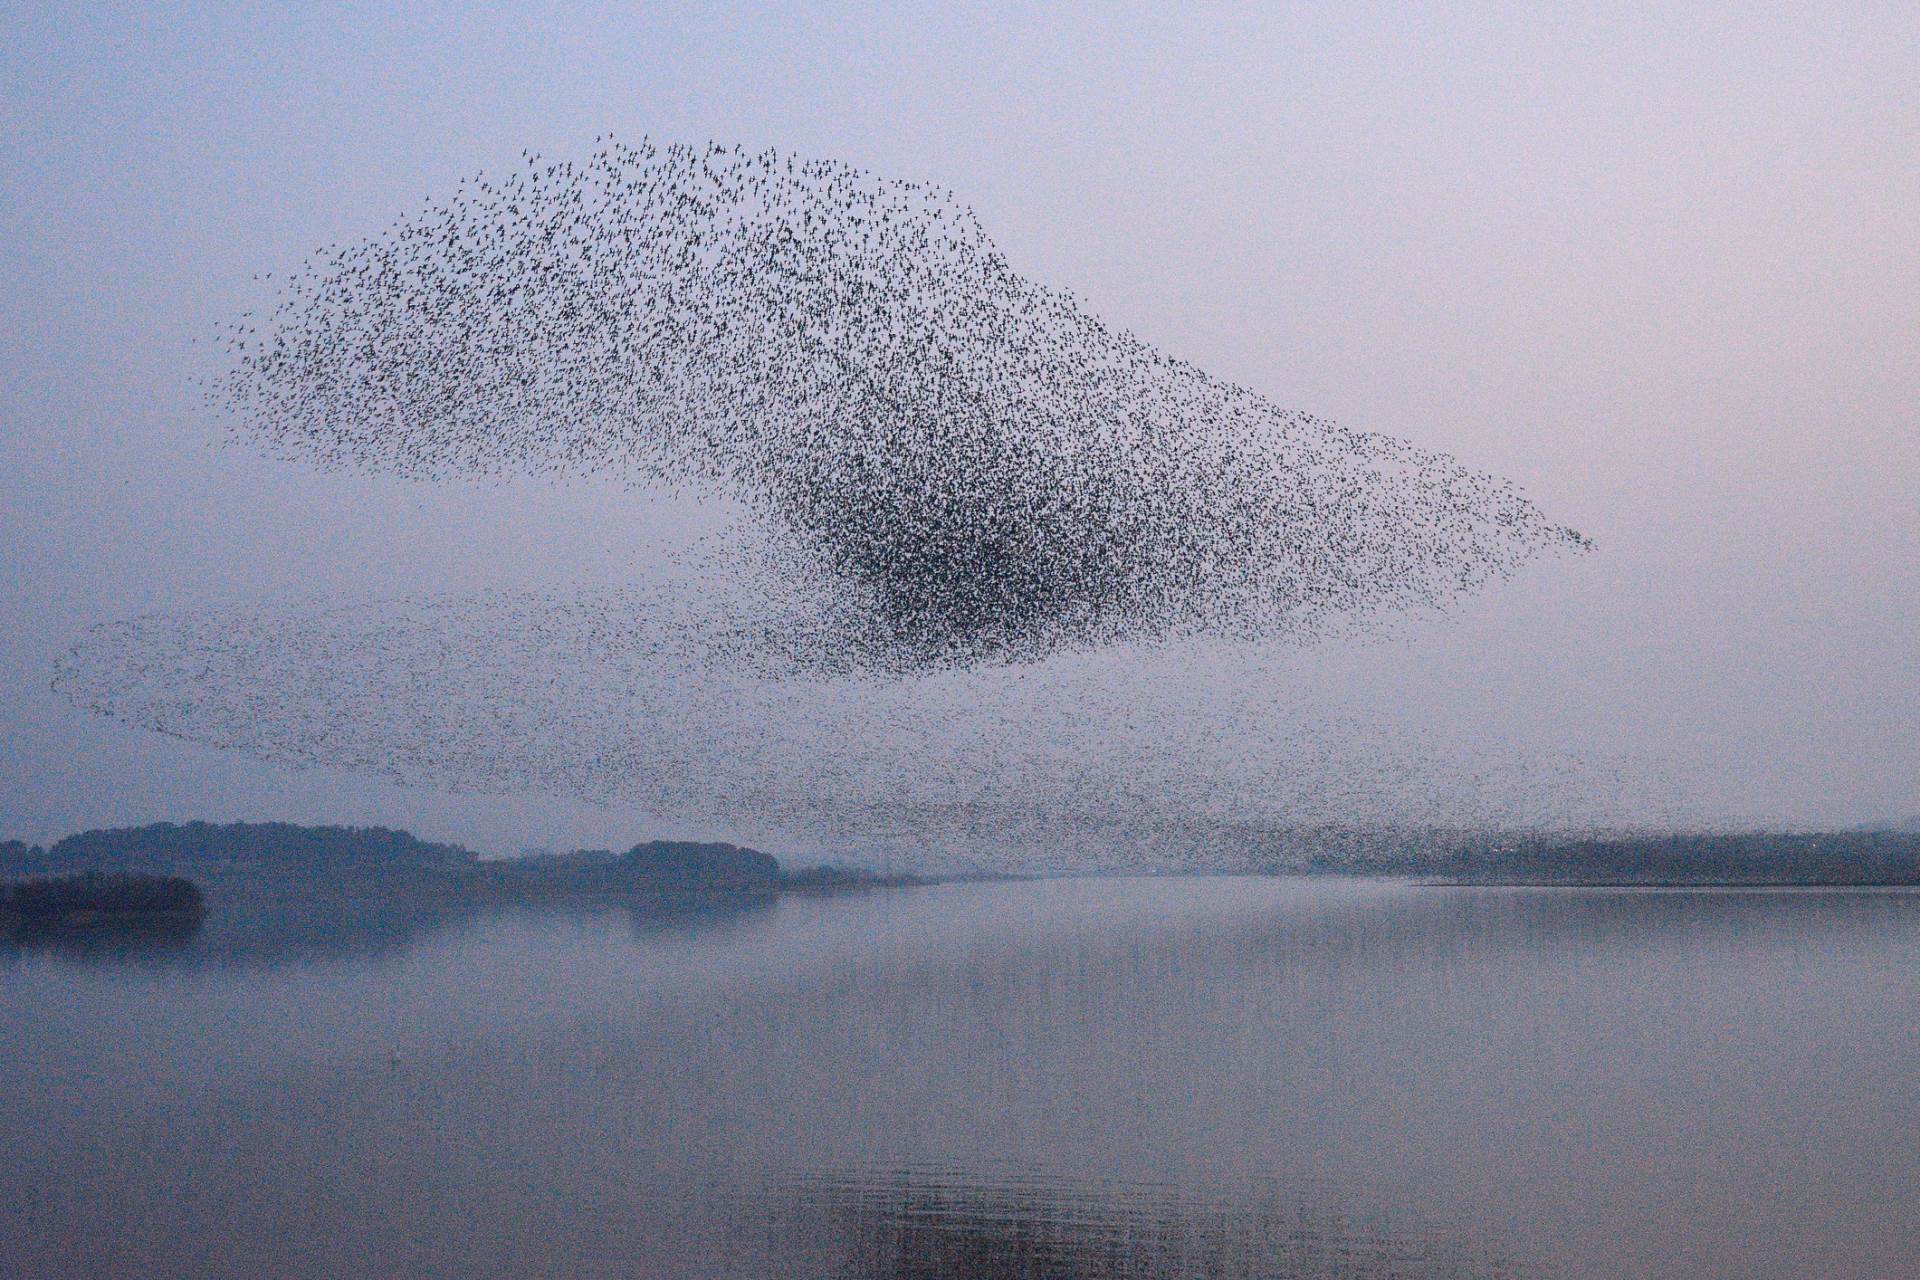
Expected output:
(1146, 1078)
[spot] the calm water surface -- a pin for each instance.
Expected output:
(1131, 1078)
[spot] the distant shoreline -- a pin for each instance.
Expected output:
(1672, 884)
(330, 865)
(267, 888)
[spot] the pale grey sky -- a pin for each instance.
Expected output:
(1656, 263)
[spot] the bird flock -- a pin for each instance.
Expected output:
(1217, 756)
(982, 541)
(962, 466)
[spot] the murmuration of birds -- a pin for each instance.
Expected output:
(959, 466)
(992, 562)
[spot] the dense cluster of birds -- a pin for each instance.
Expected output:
(955, 465)
(973, 531)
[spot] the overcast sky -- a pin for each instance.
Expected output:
(1656, 263)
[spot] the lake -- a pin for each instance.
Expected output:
(1137, 1078)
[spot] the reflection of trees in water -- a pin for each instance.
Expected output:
(254, 925)
(128, 943)
(930, 1223)
(693, 914)
(251, 925)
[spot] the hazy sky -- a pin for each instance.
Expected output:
(1656, 263)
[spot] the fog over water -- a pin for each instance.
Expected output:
(1131, 1078)
(1652, 264)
